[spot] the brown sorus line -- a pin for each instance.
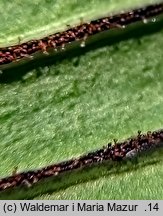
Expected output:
(81, 32)
(119, 151)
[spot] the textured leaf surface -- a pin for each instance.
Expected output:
(34, 19)
(80, 103)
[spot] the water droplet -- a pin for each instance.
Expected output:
(63, 48)
(154, 20)
(145, 21)
(82, 44)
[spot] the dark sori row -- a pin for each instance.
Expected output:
(119, 151)
(81, 32)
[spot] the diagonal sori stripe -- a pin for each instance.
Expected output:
(118, 151)
(81, 32)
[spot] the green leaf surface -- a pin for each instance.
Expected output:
(134, 184)
(25, 20)
(82, 102)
